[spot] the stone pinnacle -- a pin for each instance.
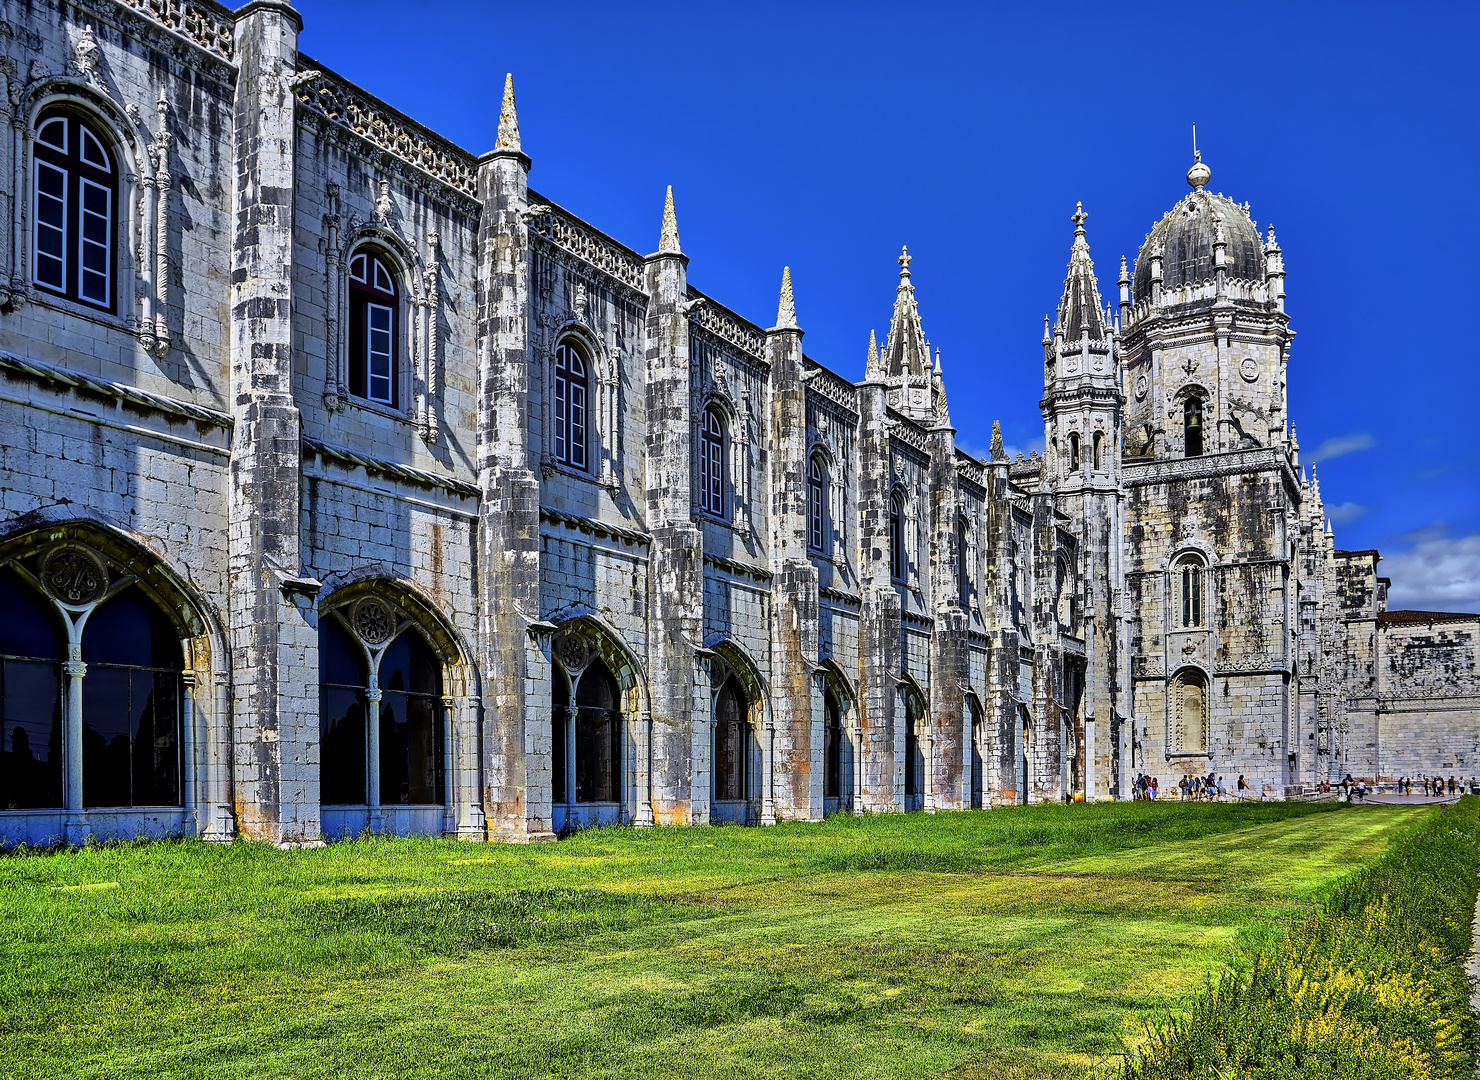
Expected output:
(786, 311)
(508, 119)
(668, 238)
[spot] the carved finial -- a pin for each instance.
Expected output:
(383, 204)
(871, 369)
(998, 453)
(508, 119)
(1079, 217)
(1270, 243)
(786, 311)
(1047, 337)
(668, 238)
(1125, 276)
(88, 53)
(579, 305)
(905, 258)
(1199, 174)
(937, 362)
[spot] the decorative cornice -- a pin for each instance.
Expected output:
(132, 395)
(208, 25)
(740, 569)
(831, 387)
(392, 469)
(839, 596)
(1138, 472)
(906, 431)
(720, 321)
(347, 106)
(596, 528)
(562, 230)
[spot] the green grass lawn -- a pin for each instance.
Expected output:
(1004, 943)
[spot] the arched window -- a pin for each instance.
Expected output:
(731, 742)
(1189, 719)
(373, 315)
(963, 566)
(381, 716)
(411, 724)
(713, 459)
(1190, 577)
(978, 739)
(131, 704)
(75, 210)
(572, 392)
(1074, 451)
(914, 756)
(1099, 451)
(832, 747)
(560, 740)
(1192, 427)
(598, 735)
(32, 647)
(1063, 595)
(898, 558)
(817, 523)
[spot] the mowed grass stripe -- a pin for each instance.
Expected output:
(972, 944)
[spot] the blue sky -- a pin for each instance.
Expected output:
(825, 136)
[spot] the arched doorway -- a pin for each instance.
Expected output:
(832, 751)
(593, 694)
(598, 737)
(382, 722)
(915, 762)
(977, 792)
(732, 741)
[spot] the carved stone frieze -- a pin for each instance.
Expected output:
(586, 244)
(728, 327)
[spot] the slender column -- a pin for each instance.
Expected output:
(768, 774)
(145, 224)
(333, 387)
(372, 757)
(20, 270)
(431, 427)
(75, 670)
(162, 181)
(928, 802)
(8, 141)
(568, 796)
(194, 745)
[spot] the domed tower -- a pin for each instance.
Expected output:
(1211, 501)
(1082, 405)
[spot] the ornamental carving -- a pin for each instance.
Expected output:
(206, 28)
(1248, 369)
(587, 245)
(727, 327)
(573, 654)
(73, 576)
(1142, 386)
(373, 622)
(338, 102)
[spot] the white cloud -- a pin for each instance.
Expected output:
(1341, 513)
(1342, 444)
(1436, 574)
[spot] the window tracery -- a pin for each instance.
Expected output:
(572, 396)
(74, 211)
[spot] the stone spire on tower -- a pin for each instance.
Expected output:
(786, 310)
(905, 352)
(871, 368)
(668, 238)
(1080, 308)
(508, 119)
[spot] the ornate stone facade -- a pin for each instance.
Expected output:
(373, 491)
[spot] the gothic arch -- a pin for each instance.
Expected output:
(834, 679)
(583, 636)
(407, 603)
(60, 90)
(734, 660)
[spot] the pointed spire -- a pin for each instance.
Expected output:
(905, 353)
(1047, 335)
(1080, 307)
(998, 453)
(936, 372)
(1270, 243)
(508, 119)
(871, 369)
(668, 238)
(786, 311)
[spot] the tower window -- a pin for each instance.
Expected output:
(817, 506)
(898, 563)
(712, 455)
(1099, 451)
(372, 329)
(75, 192)
(572, 387)
(1073, 451)
(1191, 591)
(1192, 427)
(963, 577)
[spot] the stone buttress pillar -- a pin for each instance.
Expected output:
(517, 740)
(795, 693)
(1046, 752)
(949, 766)
(879, 618)
(273, 611)
(681, 751)
(1002, 760)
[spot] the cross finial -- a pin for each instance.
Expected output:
(904, 261)
(1196, 154)
(1079, 218)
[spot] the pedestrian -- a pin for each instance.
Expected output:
(1243, 786)
(1220, 789)
(1153, 789)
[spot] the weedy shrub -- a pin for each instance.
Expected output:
(1371, 987)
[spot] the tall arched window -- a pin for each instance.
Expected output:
(1189, 719)
(131, 704)
(342, 681)
(1099, 451)
(731, 742)
(411, 725)
(1192, 427)
(373, 315)
(1074, 451)
(1190, 577)
(914, 756)
(832, 747)
(598, 732)
(32, 647)
(572, 393)
(713, 458)
(1063, 594)
(898, 558)
(75, 182)
(817, 523)
(560, 735)
(963, 565)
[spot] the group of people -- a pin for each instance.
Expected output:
(1207, 788)
(1438, 786)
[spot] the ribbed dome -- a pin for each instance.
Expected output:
(1185, 236)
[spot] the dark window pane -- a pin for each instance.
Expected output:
(30, 735)
(341, 661)
(914, 760)
(597, 732)
(155, 699)
(559, 703)
(106, 728)
(130, 629)
(731, 743)
(31, 626)
(410, 750)
(597, 690)
(342, 737)
(832, 749)
(410, 664)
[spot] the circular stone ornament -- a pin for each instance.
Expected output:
(1142, 386)
(373, 622)
(1248, 369)
(74, 576)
